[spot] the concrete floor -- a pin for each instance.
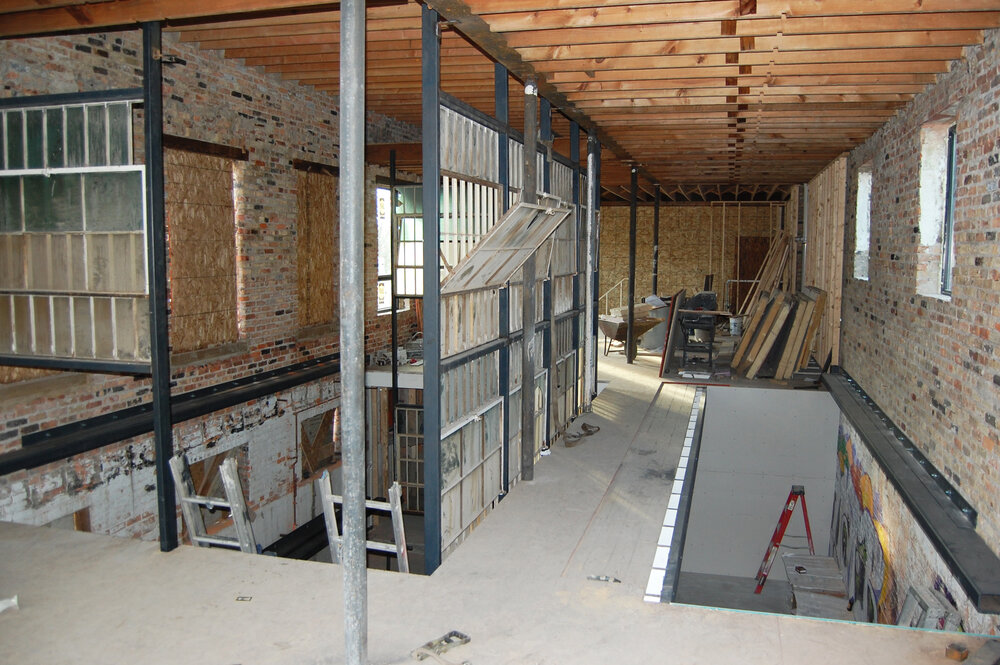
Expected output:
(518, 585)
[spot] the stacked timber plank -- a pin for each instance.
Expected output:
(777, 338)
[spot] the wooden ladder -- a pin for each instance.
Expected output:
(192, 503)
(392, 506)
(797, 493)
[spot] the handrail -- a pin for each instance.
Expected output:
(606, 310)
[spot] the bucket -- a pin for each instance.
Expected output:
(735, 326)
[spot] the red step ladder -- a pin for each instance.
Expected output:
(798, 492)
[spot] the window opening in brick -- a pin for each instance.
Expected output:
(317, 248)
(862, 222)
(72, 234)
(319, 442)
(937, 168)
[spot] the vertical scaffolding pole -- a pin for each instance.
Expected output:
(545, 130)
(656, 238)
(548, 306)
(431, 124)
(352, 327)
(156, 246)
(529, 194)
(630, 340)
(589, 376)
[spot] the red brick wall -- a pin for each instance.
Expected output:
(216, 100)
(930, 363)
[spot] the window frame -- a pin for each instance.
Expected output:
(948, 227)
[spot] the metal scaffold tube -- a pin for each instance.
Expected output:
(352, 320)
(589, 305)
(529, 194)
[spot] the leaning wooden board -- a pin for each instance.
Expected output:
(760, 307)
(813, 325)
(673, 332)
(773, 330)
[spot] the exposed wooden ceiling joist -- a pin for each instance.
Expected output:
(709, 98)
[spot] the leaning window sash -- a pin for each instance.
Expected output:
(948, 230)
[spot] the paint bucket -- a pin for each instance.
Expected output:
(735, 326)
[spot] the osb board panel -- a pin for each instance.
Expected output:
(695, 240)
(316, 244)
(201, 230)
(10, 374)
(824, 260)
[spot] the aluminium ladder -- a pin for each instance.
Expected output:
(392, 506)
(192, 503)
(797, 493)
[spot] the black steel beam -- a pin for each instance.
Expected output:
(88, 97)
(656, 238)
(943, 515)
(431, 125)
(77, 364)
(58, 443)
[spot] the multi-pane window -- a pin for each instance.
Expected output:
(72, 234)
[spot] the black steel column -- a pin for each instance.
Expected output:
(392, 287)
(633, 209)
(431, 121)
(574, 157)
(656, 237)
(501, 110)
(529, 194)
(156, 246)
(545, 132)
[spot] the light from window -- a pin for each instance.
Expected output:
(383, 221)
(862, 222)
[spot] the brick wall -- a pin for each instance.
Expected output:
(692, 244)
(215, 100)
(931, 363)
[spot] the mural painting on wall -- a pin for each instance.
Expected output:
(859, 540)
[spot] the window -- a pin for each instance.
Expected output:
(410, 249)
(383, 221)
(937, 203)
(406, 260)
(72, 235)
(862, 222)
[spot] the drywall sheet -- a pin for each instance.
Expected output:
(755, 445)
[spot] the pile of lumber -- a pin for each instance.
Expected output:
(777, 338)
(771, 272)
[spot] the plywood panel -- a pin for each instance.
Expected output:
(824, 259)
(200, 226)
(316, 248)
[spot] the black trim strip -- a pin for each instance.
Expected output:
(77, 364)
(88, 97)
